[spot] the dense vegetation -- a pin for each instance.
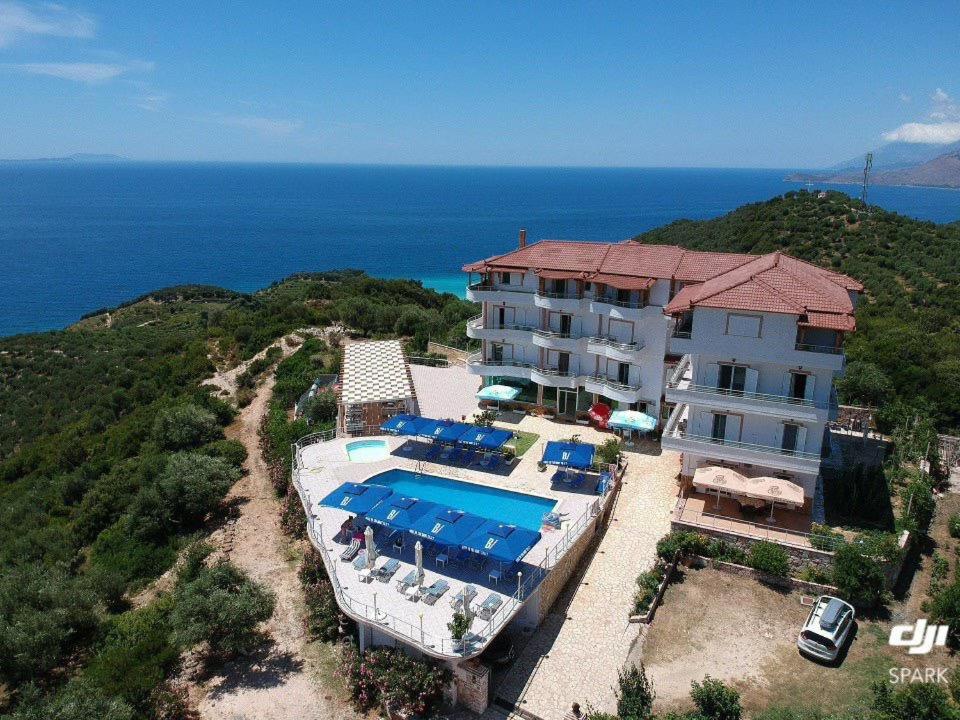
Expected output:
(112, 458)
(908, 326)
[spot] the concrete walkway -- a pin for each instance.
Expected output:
(575, 655)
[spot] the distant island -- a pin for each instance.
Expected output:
(76, 157)
(896, 164)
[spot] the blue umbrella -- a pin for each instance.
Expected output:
(400, 512)
(402, 424)
(505, 543)
(356, 497)
(495, 439)
(452, 433)
(567, 454)
(498, 392)
(631, 420)
(474, 436)
(446, 526)
(431, 428)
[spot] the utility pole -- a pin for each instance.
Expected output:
(868, 166)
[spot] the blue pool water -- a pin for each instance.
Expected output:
(504, 506)
(367, 450)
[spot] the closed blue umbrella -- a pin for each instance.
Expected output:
(566, 454)
(446, 526)
(400, 512)
(356, 497)
(504, 543)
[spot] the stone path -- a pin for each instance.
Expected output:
(577, 651)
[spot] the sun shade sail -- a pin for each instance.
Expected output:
(400, 512)
(452, 433)
(356, 498)
(446, 526)
(505, 543)
(474, 436)
(566, 454)
(432, 428)
(495, 439)
(402, 425)
(631, 420)
(498, 392)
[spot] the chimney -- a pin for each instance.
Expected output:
(523, 238)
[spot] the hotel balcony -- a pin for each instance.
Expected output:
(676, 437)
(480, 292)
(781, 406)
(611, 388)
(555, 340)
(500, 368)
(553, 377)
(561, 302)
(504, 333)
(825, 356)
(618, 309)
(614, 349)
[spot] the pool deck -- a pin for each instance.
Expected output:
(323, 466)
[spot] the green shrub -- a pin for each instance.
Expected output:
(769, 558)
(185, 426)
(859, 576)
(815, 574)
(727, 552)
(78, 700)
(685, 543)
(823, 537)
(954, 525)
(913, 701)
(635, 694)
(918, 503)
(232, 451)
(648, 583)
(322, 408)
(609, 451)
(221, 607)
(715, 700)
(945, 609)
(324, 618)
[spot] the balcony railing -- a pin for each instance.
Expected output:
(611, 300)
(613, 384)
(685, 334)
(739, 445)
(494, 362)
(488, 287)
(554, 372)
(556, 334)
(760, 397)
(476, 323)
(828, 349)
(614, 343)
(559, 295)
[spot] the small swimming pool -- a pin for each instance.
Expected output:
(367, 450)
(505, 506)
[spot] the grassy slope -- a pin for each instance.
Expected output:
(909, 324)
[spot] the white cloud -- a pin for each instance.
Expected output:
(945, 128)
(275, 127)
(18, 21)
(152, 102)
(904, 98)
(83, 72)
(928, 133)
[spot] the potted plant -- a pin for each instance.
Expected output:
(458, 628)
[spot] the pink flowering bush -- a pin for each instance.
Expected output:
(393, 680)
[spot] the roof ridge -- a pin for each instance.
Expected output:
(776, 291)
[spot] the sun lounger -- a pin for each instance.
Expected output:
(456, 455)
(433, 593)
(350, 552)
(577, 481)
(494, 462)
(360, 561)
(463, 598)
(408, 580)
(387, 570)
(559, 476)
(433, 452)
(489, 606)
(469, 457)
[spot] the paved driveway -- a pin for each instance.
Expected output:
(575, 655)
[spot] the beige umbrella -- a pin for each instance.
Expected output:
(371, 546)
(418, 554)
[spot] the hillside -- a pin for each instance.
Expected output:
(909, 321)
(940, 171)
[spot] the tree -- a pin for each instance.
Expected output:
(322, 408)
(184, 426)
(79, 700)
(865, 383)
(715, 700)
(221, 607)
(945, 609)
(769, 558)
(914, 701)
(859, 576)
(636, 695)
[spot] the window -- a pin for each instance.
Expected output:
(501, 316)
(623, 296)
(623, 373)
(732, 378)
(565, 323)
(506, 278)
(563, 362)
(743, 325)
(794, 438)
(496, 352)
(719, 429)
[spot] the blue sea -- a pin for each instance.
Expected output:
(75, 237)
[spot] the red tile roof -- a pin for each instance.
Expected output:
(766, 283)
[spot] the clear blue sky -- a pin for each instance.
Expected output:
(761, 84)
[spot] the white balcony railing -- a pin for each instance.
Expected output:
(707, 440)
(741, 394)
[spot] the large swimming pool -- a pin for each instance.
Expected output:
(504, 506)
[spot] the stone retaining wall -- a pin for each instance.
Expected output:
(454, 355)
(781, 582)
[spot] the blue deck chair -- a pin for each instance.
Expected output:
(386, 571)
(489, 606)
(469, 457)
(360, 561)
(408, 580)
(434, 452)
(435, 591)
(577, 481)
(494, 462)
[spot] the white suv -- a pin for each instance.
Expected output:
(827, 628)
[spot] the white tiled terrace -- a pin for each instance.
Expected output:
(321, 467)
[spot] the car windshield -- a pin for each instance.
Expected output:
(818, 639)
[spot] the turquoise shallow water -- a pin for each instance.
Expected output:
(367, 450)
(502, 505)
(76, 237)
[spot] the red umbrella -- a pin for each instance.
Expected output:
(600, 412)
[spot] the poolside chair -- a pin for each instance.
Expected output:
(559, 476)
(360, 561)
(489, 606)
(433, 452)
(387, 570)
(463, 598)
(350, 552)
(409, 580)
(433, 593)
(494, 462)
(469, 457)
(577, 481)
(456, 456)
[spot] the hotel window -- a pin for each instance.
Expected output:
(743, 325)
(794, 438)
(732, 378)
(496, 352)
(506, 278)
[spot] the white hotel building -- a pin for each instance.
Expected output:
(736, 354)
